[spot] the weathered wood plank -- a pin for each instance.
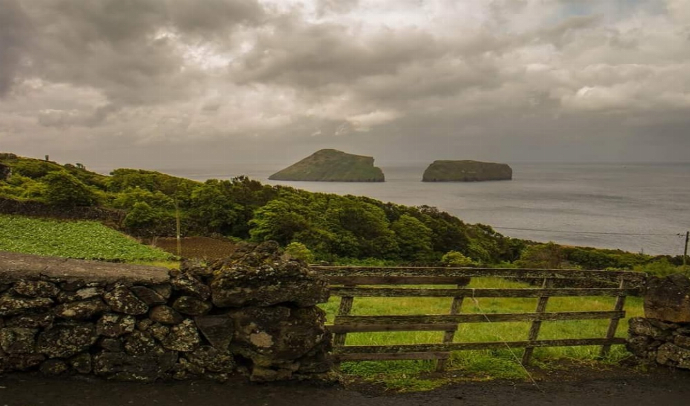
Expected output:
(393, 357)
(613, 324)
(344, 309)
(475, 318)
(398, 280)
(477, 293)
(407, 348)
(536, 325)
(344, 271)
(378, 328)
(449, 335)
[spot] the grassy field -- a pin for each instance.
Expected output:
(73, 239)
(487, 363)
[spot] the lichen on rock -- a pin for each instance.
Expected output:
(122, 300)
(262, 278)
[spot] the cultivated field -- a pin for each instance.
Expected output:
(73, 239)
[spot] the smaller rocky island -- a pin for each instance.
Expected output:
(330, 165)
(466, 171)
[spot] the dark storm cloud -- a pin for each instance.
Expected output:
(130, 50)
(433, 76)
(14, 26)
(314, 55)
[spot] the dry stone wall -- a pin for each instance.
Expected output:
(663, 335)
(253, 313)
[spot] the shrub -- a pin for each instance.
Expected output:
(63, 189)
(542, 256)
(299, 251)
(455, 258)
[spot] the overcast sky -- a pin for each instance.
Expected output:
(153, 83)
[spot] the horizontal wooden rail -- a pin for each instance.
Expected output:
(371, 328)
(393, 356)
(473, 318)
(417, 348)
(349, 275)
(507, 293)
(398, 280)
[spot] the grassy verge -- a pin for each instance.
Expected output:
(73, 239)
(485, 364)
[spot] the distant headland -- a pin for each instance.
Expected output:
(466, 171)
(330, 165)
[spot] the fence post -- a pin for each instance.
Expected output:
(449, 335)
(344, 310)
(613, 324)
(536, 324)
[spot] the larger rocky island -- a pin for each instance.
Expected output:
(466, 171)
(330, 165)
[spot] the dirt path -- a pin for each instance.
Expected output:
(667, 388)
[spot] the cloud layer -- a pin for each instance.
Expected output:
(407, 79)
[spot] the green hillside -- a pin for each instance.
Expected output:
(330, 165)
(325, 227)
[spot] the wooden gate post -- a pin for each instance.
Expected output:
(449, 335)
(536, 324)
(613, 324)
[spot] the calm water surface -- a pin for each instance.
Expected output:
(601, 205)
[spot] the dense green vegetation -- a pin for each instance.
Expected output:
(330, 227)
(72, 239)
(330, 165)
(341, 229)
(554, 256)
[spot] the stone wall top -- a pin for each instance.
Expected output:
(14, 267)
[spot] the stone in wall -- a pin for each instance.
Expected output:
(165, 315)
(218, 330)
(668, 298)
(11, 305)
(66, 340)
(663, 336)
(122, 300)
(275, 339)
(125, 367)
(262, 278)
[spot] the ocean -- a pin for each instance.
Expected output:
(633, 207)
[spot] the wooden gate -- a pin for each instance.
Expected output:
(351, 282)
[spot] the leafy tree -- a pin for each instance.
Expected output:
(362, 226)
(212, 209)
(128, 198)
(413, 238)
(277, 221)
(63, 189)
(141, 216)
